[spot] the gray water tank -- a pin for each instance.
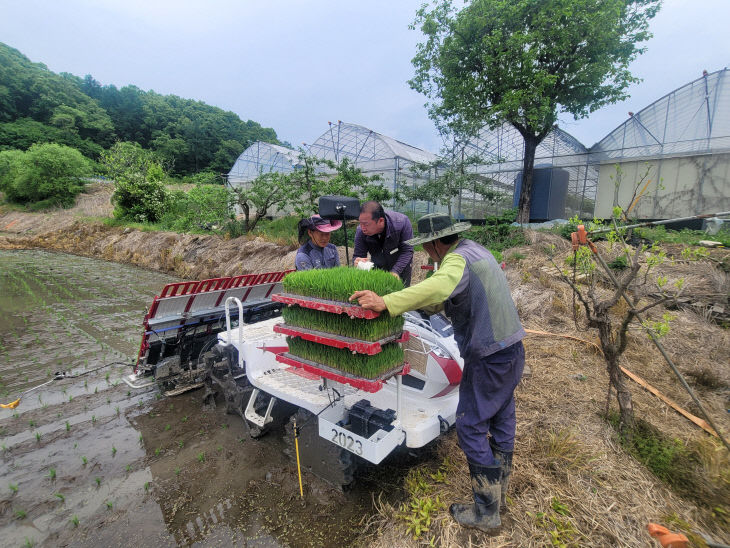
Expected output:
(549, 189)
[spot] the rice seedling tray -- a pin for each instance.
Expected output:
(336, 307)
(339, 341)
(361, 383)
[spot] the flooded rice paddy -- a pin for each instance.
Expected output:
(87, 461)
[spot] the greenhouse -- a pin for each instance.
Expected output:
(671, 159)
(261, 158)
(564, 182)
(373, 153)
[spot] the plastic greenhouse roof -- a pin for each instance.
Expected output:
(503, 148)
(361, 144)
(694, 118)
(262, 157)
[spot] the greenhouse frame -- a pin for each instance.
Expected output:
(673, 157)
(502, 153)
(261, 158)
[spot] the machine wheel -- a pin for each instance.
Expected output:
(317, 455)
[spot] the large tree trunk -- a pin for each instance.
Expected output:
(528, 167)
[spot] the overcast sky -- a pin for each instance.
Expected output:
(295, 65)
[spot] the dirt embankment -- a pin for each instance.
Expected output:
(191, 256)
(80, 231)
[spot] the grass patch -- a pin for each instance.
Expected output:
(661, 234)
(699, 472)
(282, 230)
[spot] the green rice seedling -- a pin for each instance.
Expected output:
(70, 398)
(360, 365)
(129, 468)
(38, 436)
(52, 473)
(114, 451)
(184, 419)
(158, 451)
(29, 543)
(109, 505)
(180, 444)
(147, 486)
(75, 520)
(337, 284)
(93, 419)
(177, 471)
(60, 497)
(20, 514)
(141, 438)
(117, 409)
(167, 427)
(357, 328)
(13, 488)
(97, 479)
(201, 457)
(32, 423)
(84, 460)
(68, 426)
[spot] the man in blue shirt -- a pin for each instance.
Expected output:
(318, 252)
(384, 234)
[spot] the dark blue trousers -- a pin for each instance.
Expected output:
(487, 404)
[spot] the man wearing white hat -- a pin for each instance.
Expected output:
(472, 290)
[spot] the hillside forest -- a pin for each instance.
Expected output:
(188, 136)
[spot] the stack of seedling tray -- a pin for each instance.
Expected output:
(334, 338)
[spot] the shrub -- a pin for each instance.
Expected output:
(139, 194)
(138, 199)
(46, 175)
(204, 206)
(497, 237)
(207, 178)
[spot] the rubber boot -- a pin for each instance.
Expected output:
(506, 460)
(484, 513)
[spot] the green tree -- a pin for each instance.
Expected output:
(46, 175)
(260, 197)
(306, 184)
(444, 180)
(139, 194)
(523, 61)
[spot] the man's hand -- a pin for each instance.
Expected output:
(359, 260)
(396, 275)
(369, 300)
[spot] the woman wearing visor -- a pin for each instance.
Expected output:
(318, 252)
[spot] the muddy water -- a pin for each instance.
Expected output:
(88, 462)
